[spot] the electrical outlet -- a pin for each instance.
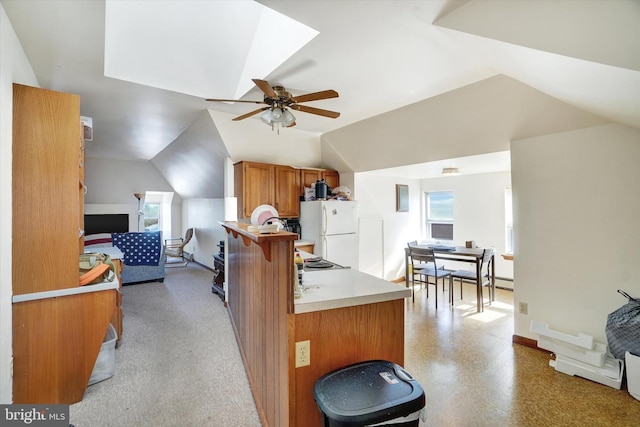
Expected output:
(303, 353)
(523, 308)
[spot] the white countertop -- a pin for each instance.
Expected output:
(329, 289)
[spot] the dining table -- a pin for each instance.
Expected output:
(462, 254)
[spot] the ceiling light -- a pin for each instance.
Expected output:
(277, 117)
(267, 117)
(450, 171)
(288, 118)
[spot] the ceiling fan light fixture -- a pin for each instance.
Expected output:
(450, 171)
(267, 117)
(276, 115)
(287, 118)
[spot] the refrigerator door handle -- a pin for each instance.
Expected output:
(324, 220)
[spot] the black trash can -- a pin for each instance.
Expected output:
(370, 392)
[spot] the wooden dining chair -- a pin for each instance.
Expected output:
(487, 259)
(426, 258)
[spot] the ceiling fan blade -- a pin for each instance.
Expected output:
(249, 114)
(265, 87)
(315, 96)
(234, 100)
(313, 110)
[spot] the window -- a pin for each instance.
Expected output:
(151, 213)
(439, 215)
(508, 220)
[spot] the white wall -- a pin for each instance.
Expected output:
(478, 212)
(203, 215)
(376, 196)
(14, 68)
(577, 227)
(112, 183)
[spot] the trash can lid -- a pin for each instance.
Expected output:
(368, 392)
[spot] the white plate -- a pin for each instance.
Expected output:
(263, 213)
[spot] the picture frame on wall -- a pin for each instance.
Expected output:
(402, 198)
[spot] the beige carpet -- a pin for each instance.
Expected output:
(177, 364)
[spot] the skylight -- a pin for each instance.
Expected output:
(200, 48)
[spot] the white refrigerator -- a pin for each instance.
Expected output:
(332, 226)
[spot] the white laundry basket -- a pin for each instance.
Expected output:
(633, 374)
(106, 361)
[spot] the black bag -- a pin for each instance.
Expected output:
(623, 328)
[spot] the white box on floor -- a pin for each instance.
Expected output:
(582, 348)
(610, 373)
(633, 374)
(106, 361)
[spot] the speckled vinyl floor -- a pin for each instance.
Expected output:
(473, 375)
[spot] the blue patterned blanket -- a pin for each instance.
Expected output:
(141, 248)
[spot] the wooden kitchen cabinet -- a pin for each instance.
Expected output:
(332, 178)
(308, 178)
(253, 186)
(287, 181)
(258, 184)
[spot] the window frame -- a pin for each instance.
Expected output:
(508, 220)
(146, 217)
(430, 221)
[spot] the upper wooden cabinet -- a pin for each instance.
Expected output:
(287, 200)
(308, 178)
(280, 186)
(258, 184)
(332, 178)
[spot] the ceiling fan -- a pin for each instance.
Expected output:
(278, 99)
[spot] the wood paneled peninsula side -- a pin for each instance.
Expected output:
(346, 315)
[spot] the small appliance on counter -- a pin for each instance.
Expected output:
(292, 225)
(322, 189)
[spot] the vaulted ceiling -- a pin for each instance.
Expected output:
(468, 75)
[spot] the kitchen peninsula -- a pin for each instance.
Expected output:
(346, 315)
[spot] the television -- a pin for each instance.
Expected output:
(106, 223)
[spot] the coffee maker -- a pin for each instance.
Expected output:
(293, 225)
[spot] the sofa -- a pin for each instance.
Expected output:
(143, 254)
